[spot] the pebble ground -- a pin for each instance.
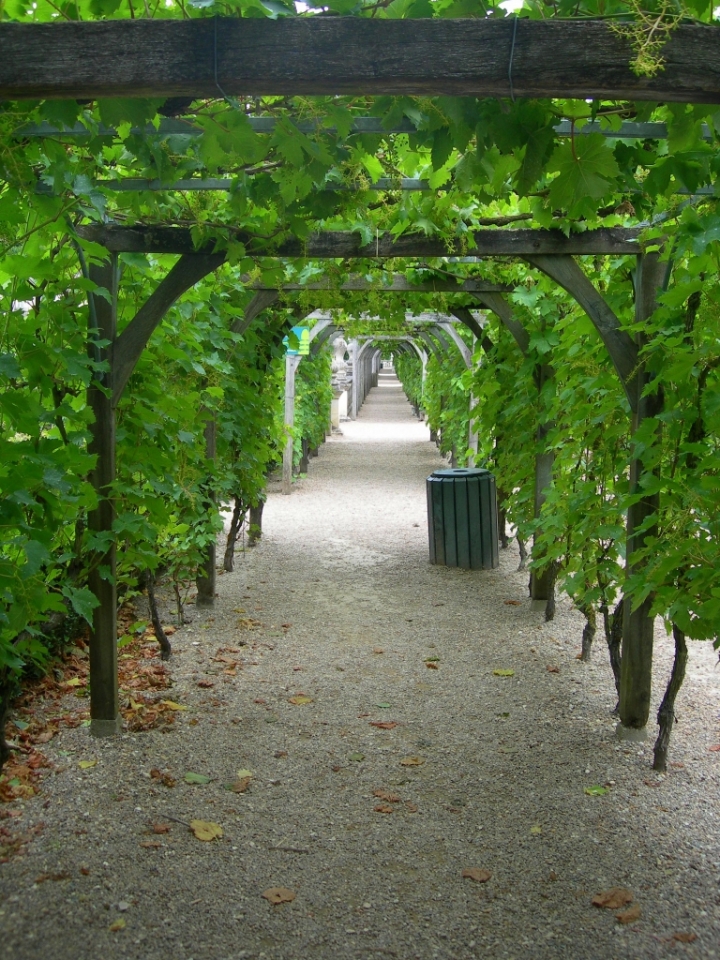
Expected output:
(490, 771)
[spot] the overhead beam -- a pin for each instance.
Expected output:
(398, 284)
(341, 244)
(170, 127)
(210, 57)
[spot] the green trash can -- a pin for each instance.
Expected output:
(462, 519)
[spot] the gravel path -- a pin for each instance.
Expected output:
(490, 771)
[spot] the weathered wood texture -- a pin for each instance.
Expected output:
(638, 621)
(620, 345)
(104, 696)
(339, 243)
(348, 55)
(128, 347)
(396, 283)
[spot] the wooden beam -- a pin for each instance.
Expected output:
(132, 341)
(620, 345)
(628, 130)
(345, 244)
(398, 284)
(642, 516)
(104, 696)
(349, 55)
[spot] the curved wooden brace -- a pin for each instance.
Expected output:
(623, 350)
(128, 347)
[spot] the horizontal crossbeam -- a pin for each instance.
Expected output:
(398, 284)
(628, 129)
(342, 244)
(349, 55)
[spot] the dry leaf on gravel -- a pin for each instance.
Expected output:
(164, 778)
(276, 895)
(378, 650)
(412, 762)
(503, 673)
(411, 807)
(300, 699)
(171, 705)
(476, 874)
(206, 684)
(386, 796)
(117, 925)
(431, 665)
(612, 899)
(383, 808)
(383, 724)
(150, 844)
(86, 764)
(512, 603)
(685, 937)
(715, 748)
(240, 786)
(551, 669)
(161, 828)
(206, 830)
(630, 915)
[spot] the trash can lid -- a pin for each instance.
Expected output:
(460, 473)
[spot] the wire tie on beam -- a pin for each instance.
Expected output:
(231, 100)
(512, 54)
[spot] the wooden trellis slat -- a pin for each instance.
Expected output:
(339, 244)
(349, 55)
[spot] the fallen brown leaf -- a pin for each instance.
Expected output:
(476, 874)
(383, 808)
(552, 669)
(161, 828)
(240, 786)
(715, 748)
(383, 724)
(206, 684)
(150, 844)
(630, 915)
(378, 650)
(685, 937)
(612, 899)
(386, 796)
(431, 665)
(412, 762)
(411, 807)
(286, 626)
(280, 753)
(512, 603)
(276, 895)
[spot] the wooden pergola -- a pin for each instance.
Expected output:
(321, 56)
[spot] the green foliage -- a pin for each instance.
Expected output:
(313, 396)
(487, 163)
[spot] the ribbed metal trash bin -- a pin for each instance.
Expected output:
(462, 519)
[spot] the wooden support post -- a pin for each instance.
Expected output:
(542, 581)
(205, 580)
(638, 623)
(104, 699)
(291, 365)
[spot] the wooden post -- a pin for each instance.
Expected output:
(542, 582)
(206, 576)
(105, 717)
(638, 623)
(291, 365)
